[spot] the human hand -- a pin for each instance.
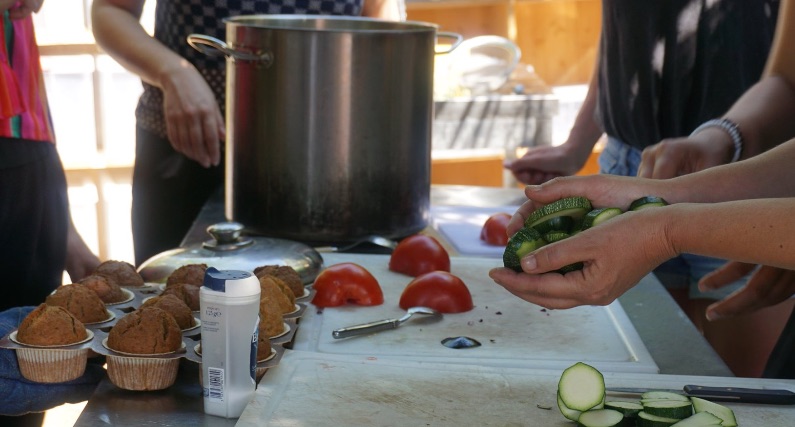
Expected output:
(767, 286)
(602, 190)
(674, 157)
(80, 261)
(19, 396)
(194, 122)
(616, 255)
(18, 9)
(540, 164)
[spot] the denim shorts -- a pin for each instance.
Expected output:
(686, 270)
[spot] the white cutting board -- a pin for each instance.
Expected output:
(512, 331)
(461, 226)
(316, 390)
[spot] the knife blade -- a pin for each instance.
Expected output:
(721, 394)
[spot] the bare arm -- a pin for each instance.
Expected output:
(194, 122)
(392, 10)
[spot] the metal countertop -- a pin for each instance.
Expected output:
(671, 339)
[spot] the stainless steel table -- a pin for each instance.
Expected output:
(672, 340)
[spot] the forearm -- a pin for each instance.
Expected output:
(118, 31)
(754, 231)
(383, 9)
(586, 131)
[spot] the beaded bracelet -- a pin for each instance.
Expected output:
(731, 128)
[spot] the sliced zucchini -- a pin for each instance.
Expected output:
(629, 409)
(574, 207)
(520, 244)
(581, 387)
(724, 413)
(647, 202)
(568, 413)
(663, 395)
(563, 224)
(600, 418)
(598, 216)
(646, 419)
(555, 236)
(668, 408)
(701, 419)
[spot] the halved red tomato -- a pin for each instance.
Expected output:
(346, 283)
(439, 290)
(494, 229)
(419, 254)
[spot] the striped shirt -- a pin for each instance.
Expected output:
(24, 112)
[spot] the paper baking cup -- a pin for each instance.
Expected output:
(51, 364)
(142, 373)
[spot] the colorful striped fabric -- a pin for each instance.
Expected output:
(24, 112)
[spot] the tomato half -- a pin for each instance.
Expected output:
(346, 283)
(439, 290)
(494, 229)
(419, 254)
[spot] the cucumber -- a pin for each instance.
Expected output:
(647, 202)
(563, 224)
(629, 409)
(581, 387)
(725, 414)
(600, 418)
(574, 207)
(520, 244)
(701, 419)
(668, 408)
(663, 395)
(646, 419)
(598, 216)
(568, 413)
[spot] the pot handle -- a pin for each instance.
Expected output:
(457, 39)
(211, 46)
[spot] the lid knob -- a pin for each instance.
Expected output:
(227, 236)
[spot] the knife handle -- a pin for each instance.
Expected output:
(739, 394)
(366, 328)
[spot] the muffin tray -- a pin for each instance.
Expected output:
(191, 338)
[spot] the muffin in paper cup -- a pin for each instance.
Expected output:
(133, 372)
(146, 346)
(52, 364)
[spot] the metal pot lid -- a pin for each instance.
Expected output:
(229, 249)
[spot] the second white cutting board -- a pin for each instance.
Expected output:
(512, 331)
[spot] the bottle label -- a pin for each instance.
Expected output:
(254, 345)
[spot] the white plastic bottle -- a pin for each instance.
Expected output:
(229, 303)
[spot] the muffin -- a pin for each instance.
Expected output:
(105, 287)
(286, 273)
(273, 289)
(191, 274)
(263, 346)
(187, 293)
(174, 306)
(51, 326)
(81, 301)
(271, 322)
(147, 331)
(122, 272)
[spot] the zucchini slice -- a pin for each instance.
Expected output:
(598, 216)
(663, 395)
(668, 408)
(525, 240)
(629, 409)
(600, 418)
(554, 236)
(701, 419)
(724, 413)
(568, 413)
(574, 207)
(647, 202)
(581, 387)
(646, 419)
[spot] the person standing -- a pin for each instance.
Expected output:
(180, 116)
